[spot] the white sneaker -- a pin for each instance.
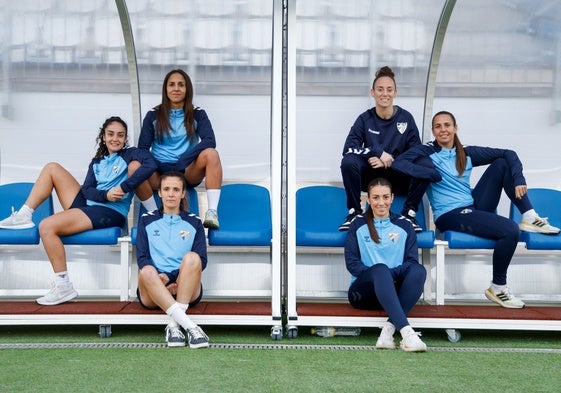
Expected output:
(211, 219)
(174, 336)
(386, 341)
(197, 338)
(58, 294)
(411, 341)
(504, 298)
(539, 225)
(17, 221)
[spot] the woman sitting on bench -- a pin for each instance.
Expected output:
(457, 207)
(103, 201)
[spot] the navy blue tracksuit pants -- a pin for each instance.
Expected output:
(482, 220)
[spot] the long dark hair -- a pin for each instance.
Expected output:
(461, 158)
(380, 181)
(184, 203)
(101, 146)
(163, 110)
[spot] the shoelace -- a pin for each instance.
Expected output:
(196, 333)
(176, 333)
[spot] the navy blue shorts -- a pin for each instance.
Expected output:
(191, 304)
(100, 216)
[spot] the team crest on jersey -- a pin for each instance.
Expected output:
(116, 168)
(184, 234)
(401, 127)
(394, 236)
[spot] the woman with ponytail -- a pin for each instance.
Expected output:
(382, 256)
(459, 208)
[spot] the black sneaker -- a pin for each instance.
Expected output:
(347, 223)
(413, 222)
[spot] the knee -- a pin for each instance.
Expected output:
(48, 227)
(191, 262)
(501, 164)
(210, 156)
(133, 166)
(418, 272)
(379, 269)
(148, 275)
(512, 232)
(350, 163)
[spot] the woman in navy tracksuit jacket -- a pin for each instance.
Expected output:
(381, 254)
(180, 137)
(457, 207)
(378, 136)
(171, 255)
(115, 173)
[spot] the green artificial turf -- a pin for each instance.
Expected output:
(272, 370)
(482, 361)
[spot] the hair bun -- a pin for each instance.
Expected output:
(385, 71)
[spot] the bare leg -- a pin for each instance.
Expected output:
(206, 165)
(154, 292)
(67, 222)
(189, 279)
(154, 180)
(53, 177)
(144, 190)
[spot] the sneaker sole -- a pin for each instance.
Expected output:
(63, 300)
(495, 299)
(172, 345)
(385, 346)
(22, 226)
(420, 349)
(533, 229)
(196, 346)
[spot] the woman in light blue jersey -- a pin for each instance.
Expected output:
(171, 256)
(381, 254)
(114, 174)
(459, 208)
(180, 137)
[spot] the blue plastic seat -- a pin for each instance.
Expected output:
(244, 213)
(467, 241)
(319, 212)
(547, 203)
(14, 195)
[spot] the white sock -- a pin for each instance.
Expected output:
(529, 216)
(183, 306)
(150, 204)
(213, 196)
(62, 278)
(498, 288)
(26, 211)
(176, 312)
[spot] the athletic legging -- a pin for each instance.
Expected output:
(394, 290)
(482, 220)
